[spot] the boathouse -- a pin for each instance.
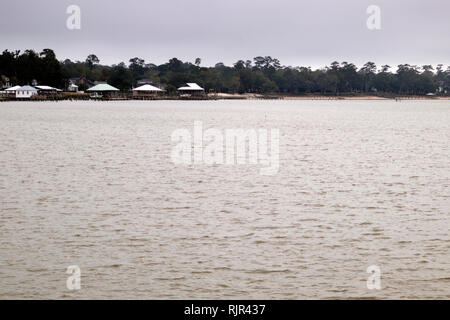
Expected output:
(72, 88)
(146, 91)
(47, 90)
(103, 90)
(192, 89)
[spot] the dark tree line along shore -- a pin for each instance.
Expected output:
(262, 75)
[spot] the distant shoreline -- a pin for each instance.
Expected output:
(228, 96)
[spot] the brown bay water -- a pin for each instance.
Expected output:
(92, 184)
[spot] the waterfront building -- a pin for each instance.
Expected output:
(103, 90)
(191, 89)
(146, 91)
(26, 92)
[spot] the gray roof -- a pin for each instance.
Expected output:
(27, 88)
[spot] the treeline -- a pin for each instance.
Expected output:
(261, 75)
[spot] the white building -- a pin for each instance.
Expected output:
(191, 87)
(103, 90)
(12, 90)
(146, 90)
(72, 88)
(47, 90)
(26, 92)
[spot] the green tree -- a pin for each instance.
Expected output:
(121, 77)
(92, 60)
(368, 72)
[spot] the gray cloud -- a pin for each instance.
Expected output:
(297, 32)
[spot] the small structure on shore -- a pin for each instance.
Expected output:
(146, 91)
(82, 82)
(46, 90)
(192, 89)
(72, 88)
(12, 90)
(26, 92)
(103, 90)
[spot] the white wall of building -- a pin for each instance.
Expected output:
(25, 94)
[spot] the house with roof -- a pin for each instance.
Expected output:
(147, 91)
(103, 90)
(26, 92)
(11, 91)
(191, 89)
(47, 91)
(72, 87)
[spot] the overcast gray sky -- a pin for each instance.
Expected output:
(306, 33)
